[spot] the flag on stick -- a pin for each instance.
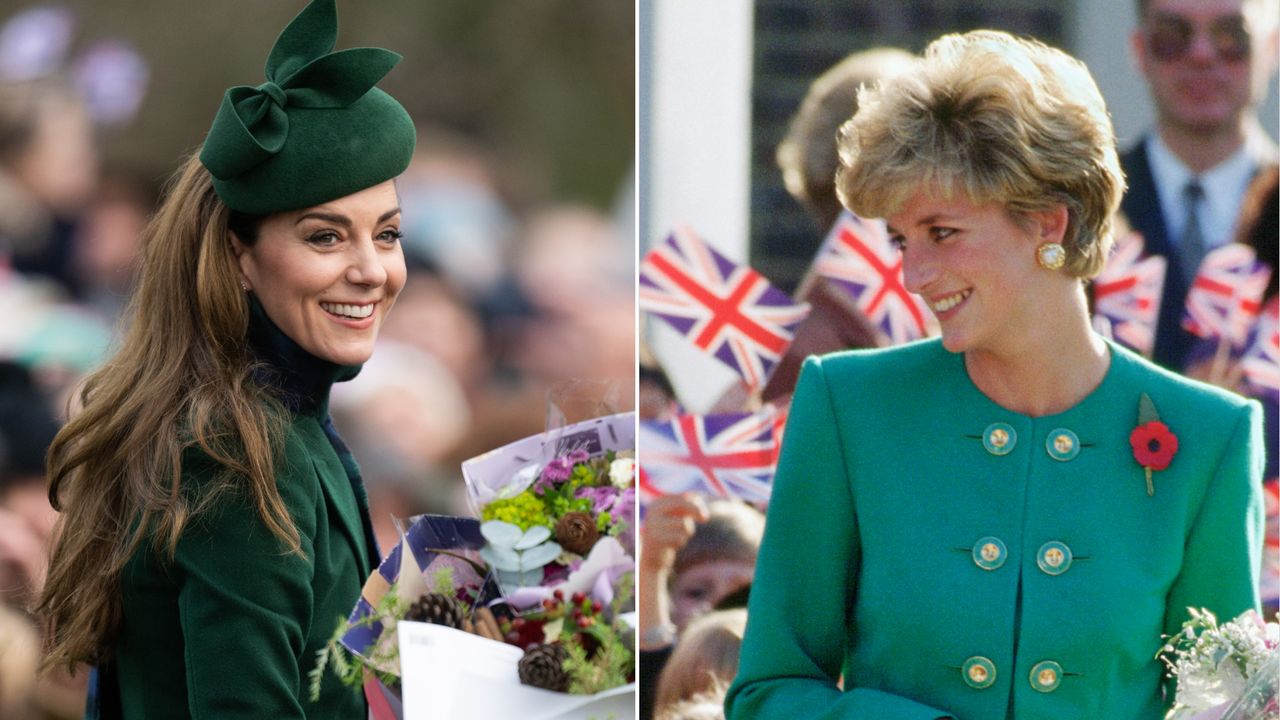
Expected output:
(727, 310)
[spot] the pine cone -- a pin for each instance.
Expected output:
(576, 532)
(543, 666)
(437, 609)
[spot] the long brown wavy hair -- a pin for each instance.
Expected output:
(182, 378)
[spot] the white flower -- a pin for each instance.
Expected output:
(1214, 667)
(1203, 687)
(622, 471)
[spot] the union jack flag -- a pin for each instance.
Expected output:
(858, 256)
(727, 310)
(1226, 296)
(1261, 362)
(1126, 295)
(730, 455)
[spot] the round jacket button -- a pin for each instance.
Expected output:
(979, 672)
(1045, 676)
(989, 553)
(1062, 444)
(999, 438)
(1054, 558)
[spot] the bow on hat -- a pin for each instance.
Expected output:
(252, 123)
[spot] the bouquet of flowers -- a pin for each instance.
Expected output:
(544, 577)
(1224, 671)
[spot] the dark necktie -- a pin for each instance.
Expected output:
(1192, 245)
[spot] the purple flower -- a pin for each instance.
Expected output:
(624, 508)
(602, 499)
(559, 470)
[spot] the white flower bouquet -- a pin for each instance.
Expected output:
(1224, 671)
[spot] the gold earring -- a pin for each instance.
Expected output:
(1051, 256)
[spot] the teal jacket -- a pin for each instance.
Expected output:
(948, 570)
(230, 627)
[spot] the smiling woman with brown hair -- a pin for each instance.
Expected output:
(214, 526)
(1003, 522)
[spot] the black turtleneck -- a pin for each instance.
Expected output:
(302, 382)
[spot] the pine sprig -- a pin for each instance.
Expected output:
(349, 667)
(608, 668)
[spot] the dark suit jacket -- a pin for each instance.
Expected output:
(1141, 205)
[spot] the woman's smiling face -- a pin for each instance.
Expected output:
(975, 267)
(328, 275)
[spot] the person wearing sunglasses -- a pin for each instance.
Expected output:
(1207, 64)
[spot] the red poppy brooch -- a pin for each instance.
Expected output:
(1154, 444)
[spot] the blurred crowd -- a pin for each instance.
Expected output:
(508, 305)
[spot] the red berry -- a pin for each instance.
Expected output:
(596, 606)
(513, 638)
(549, 604)
(517, 623)
(578, 597)
(559, 594)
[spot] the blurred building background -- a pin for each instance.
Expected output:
(719, 82)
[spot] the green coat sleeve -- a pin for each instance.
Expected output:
(245, 608)
(1222, 556)
(805, 582)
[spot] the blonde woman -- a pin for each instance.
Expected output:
(213, 526)
(1000, 523)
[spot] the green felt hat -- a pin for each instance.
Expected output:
(317, 130)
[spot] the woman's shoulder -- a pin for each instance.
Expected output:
(921, 356)
(1179, 397)
(207, 472)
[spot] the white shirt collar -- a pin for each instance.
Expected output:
(1224, 188)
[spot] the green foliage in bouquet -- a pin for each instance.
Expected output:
(611, 664)
(524, 511)
(350, 668)
(555, 494)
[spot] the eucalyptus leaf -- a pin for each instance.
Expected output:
(509, 580)
(501, 533)
(529, 578)
(539, 556)
(501, 558)
(533, 537)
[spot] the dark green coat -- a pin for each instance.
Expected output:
(886, 495)
(230, 627)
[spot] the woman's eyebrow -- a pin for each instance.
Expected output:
(343, 219)
(327, 217)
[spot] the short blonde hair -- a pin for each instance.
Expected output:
(1006, 119)
(704, 660)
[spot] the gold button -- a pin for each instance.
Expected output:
(999, 438)
(1064, 444)
(1054, 557)
(1045, 676)
(979, 672)
(989, 553)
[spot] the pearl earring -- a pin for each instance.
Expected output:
(1051, 256)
